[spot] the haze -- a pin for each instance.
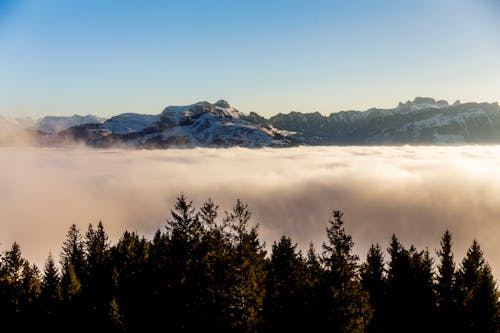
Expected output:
(415, 192)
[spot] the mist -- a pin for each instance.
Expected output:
(415, 192)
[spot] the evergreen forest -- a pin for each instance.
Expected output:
(207, 271)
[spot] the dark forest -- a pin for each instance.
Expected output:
(206, 271)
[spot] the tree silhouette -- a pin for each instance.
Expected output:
(347, 303)
(478, 294)
(208, 273)
(284, 304)
(447, 297)
(373, 280)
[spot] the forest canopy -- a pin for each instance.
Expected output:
(210, 271)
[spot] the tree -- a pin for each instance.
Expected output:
(479, 296)
(373, 280)
(185, 224)
(314, 310)
(73, 253)
(19, 289)
(97, 285)
(50, 293)
(216, 254)
(247, 273)
(446, 292)
(284, 303)
(349, 308)
(74, 270)
(185, 266)
(135, 282)
(410, 290)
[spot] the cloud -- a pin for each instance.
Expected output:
(415, 192)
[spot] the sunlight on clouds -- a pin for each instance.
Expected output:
(415, 192)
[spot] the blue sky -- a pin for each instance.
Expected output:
(107, 57)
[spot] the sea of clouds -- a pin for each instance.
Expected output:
(415, 192)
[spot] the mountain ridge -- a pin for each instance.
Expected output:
(424, 120)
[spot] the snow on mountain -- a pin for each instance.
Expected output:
(423, 120)
(55, 124)
(126, 123)
(199, 124)
(206, 124)
(174, 115)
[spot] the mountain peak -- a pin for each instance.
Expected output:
(424, 100)
(222, 104)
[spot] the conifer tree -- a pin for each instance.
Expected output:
(446, 291)
(314, 314)
(134, 281)
(247, 289)
(97, 286)
(479, 296)
(185, 266)
(398, 293)
(349, 308)
(284, 303)
(73, 253)
(216, 257)
(410, 293)
(50, 293)
(373, 280)
(73, 273)
(11, 281)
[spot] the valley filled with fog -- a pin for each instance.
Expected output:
(416, 192)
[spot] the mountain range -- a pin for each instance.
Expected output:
(421, 121)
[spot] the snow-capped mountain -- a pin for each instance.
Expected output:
(55, 124)
(203, 124)
(126, 123)
(200, 124)
(423, 120)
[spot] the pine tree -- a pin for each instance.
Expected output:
(29, 296)
(349, 306)
(410, 290)
(247, 289)
(134, 281)
(314, 313)
(447, 302)
(50, 293)
(73, 274)
(12, 276)
(373, 280)
(73, 253)
(97, 286)
(216, 257)
(185, 265)
(398, 293)
(478, 293)
(284, 304)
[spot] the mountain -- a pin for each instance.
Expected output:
(54, 124)
(421, 121)
(201, 124)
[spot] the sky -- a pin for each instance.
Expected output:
(62, 57)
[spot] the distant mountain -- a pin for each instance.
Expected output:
(421, 121)
(198, 125)
(54, 124)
